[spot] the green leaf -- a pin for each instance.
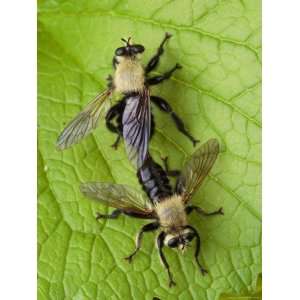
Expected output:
(217, 93)
(247, 295)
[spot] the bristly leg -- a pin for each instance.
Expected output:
(164, 106)
(197, 250)
(200, 211)
(180, 126)
(116, 112)
(160, 245)
(152, 64)
(160, 78)
(146, 228)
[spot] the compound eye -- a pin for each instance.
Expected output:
(172, 243)
(189, 236)
(120, 51)
(138, 48)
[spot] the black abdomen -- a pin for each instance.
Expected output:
(154, 180)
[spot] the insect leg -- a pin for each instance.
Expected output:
(197, 251)
(152, 128)
(172, 173)
(165, 106)
(155, 59)
(115, 111)
(202, 212)
(113, 215)
(160, 245)
(158, 79)
(146, 228)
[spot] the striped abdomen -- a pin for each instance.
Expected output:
(154, 180)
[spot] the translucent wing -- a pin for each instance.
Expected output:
(83, 123)
(196, 168)
(137, 126)
(119, 196)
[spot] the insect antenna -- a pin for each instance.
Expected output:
(127, 42)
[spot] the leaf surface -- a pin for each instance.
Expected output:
(217, 94)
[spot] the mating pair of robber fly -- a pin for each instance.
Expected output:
(167, 207)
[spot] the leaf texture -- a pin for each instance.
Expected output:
(217, 94)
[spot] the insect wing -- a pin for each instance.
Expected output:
(137, 126)
(196, 169)
(118, 196)
(83, 123)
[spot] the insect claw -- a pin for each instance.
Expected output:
(172, 283)
(195, 142)
(115, 146)
(178, 66)
(168, 35)
(221, 211)
(128, 258)
(116, 143)
(203, 271)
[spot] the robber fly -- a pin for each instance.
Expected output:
(132, 113)
(167, 207)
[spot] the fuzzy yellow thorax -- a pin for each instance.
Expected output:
(171, 213)
(129, 75)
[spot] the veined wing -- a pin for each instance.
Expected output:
(196, 169)
(119, 196)
(137, 126)
(83, 123)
